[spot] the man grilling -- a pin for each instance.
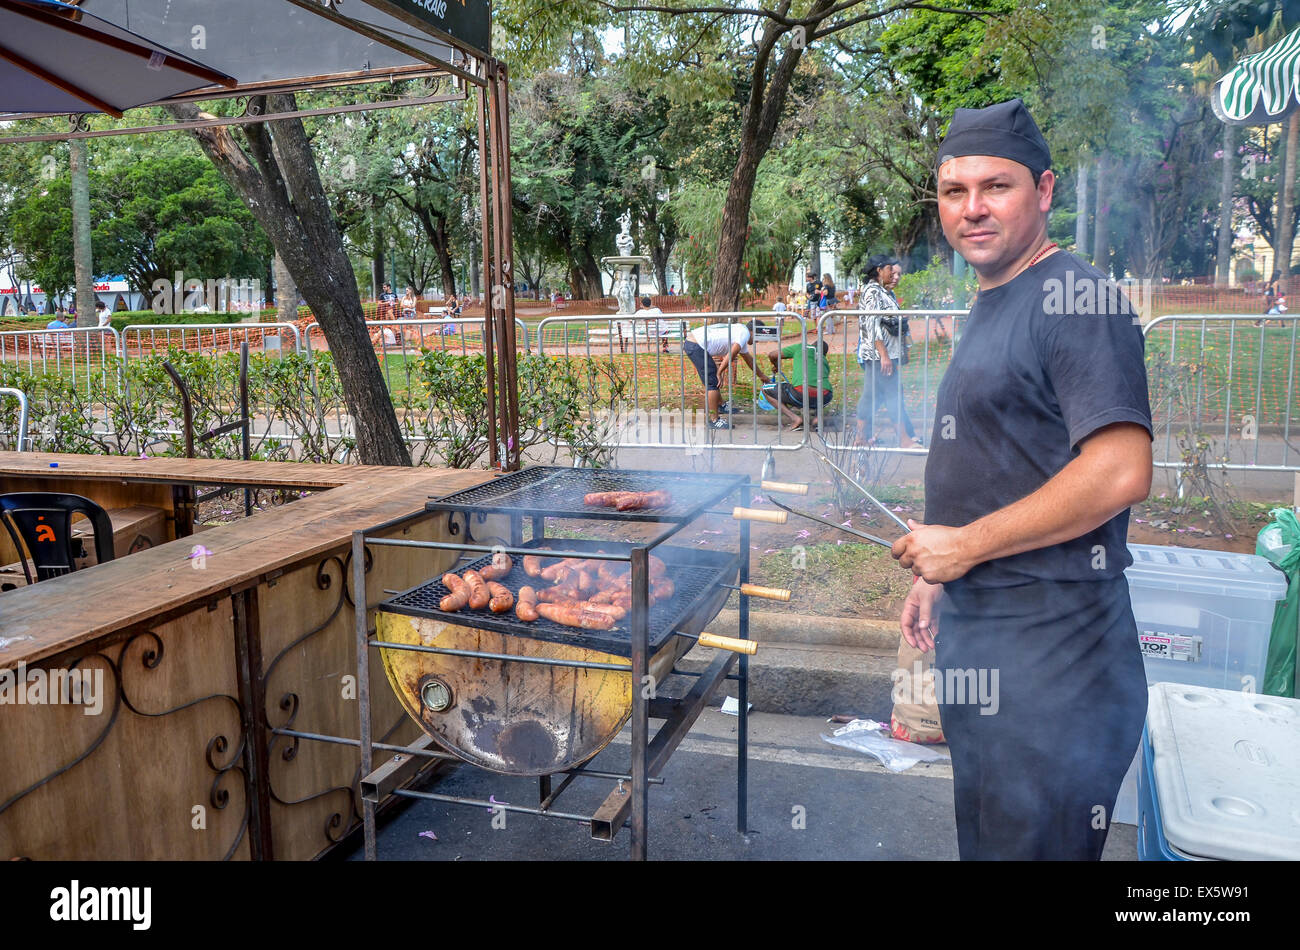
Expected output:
(1041, 443)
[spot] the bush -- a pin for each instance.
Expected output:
(561, 401)
(936, 288)
(134, 407)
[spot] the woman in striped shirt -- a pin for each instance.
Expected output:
(882, 348)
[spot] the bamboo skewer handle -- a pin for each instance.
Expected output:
(789, 488)
(757, 514)
(768, 593)
(728, 643)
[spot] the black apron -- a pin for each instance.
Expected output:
(1038, 753)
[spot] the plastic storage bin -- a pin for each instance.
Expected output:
(1204, 619)
(1220, 777)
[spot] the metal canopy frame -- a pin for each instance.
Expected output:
(468, 67)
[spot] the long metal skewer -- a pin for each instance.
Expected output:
(870, 497)
(831, 524)
(769, 469)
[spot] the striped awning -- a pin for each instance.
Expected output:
(1263, 87)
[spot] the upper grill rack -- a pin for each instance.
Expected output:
(557, 492)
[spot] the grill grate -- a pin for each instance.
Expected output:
(697, 598)
(557, 493)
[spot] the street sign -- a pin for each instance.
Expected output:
(467, 22)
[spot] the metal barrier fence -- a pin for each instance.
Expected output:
(669, 407)
(1223, 390)
(208, 338)
(77, 355)
(20, 434)
(1217, 378)
(399, 343)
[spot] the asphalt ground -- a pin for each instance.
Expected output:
(808, 801)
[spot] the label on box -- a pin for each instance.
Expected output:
(1170, 646)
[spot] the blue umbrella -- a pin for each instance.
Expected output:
(56, 58)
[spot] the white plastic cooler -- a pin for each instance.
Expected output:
(1203, 619)
(1221, 777)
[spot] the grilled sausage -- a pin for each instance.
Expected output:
(526, 606)
(618, 613)
(499, 568)
(603, 498)
(636, 500)
(576, 616)
(553, 572)
(554, 595)
(501, 599)
(459, 595)
(615, 611)
(478, 592)
(532, 565)
(662, 590)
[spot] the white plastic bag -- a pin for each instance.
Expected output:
(871, 737)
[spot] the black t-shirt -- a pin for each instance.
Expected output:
(1044, 361)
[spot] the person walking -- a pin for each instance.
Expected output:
(1041, 442)
(882, 349)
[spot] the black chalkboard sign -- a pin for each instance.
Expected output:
(468, 22)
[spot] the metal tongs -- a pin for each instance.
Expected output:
(795, 488)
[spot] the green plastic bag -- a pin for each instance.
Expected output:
(1280, 670)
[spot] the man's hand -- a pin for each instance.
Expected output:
(920, 620)
(937, 552)
(887, 366)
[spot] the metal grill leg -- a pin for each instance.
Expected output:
(640, 699)
(742, 731)
(363, 684)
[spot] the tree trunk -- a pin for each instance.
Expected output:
(279, 181)
(1101, 231)
(286, 292)
(442, 246)
(1286, 214)
(1223, 259)
(376, 252)
(762, 111)
(1081, 203)
(83, 265)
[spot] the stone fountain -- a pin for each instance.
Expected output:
(622, 266)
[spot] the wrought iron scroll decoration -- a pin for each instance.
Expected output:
(150, 659)
(290, 701)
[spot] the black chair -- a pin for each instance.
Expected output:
(43, 520)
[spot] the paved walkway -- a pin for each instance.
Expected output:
(852, 808)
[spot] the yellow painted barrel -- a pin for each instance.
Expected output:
(509, 717)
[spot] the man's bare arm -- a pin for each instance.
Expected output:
(1111, 472)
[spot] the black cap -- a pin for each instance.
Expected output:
(1005, 130)
(875, 263)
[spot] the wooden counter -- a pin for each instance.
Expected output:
(200, 658)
